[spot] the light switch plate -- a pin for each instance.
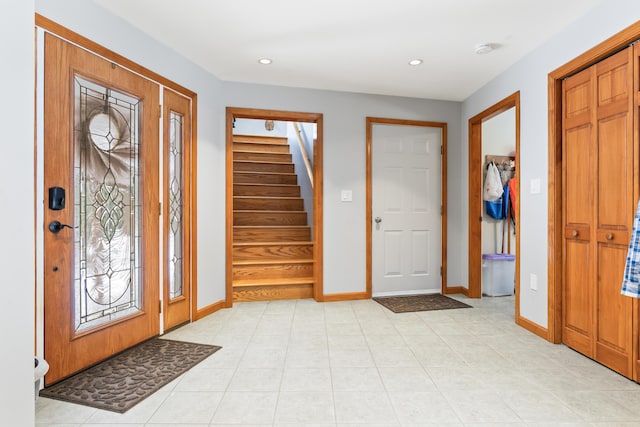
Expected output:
(535, 186)
(346, 196)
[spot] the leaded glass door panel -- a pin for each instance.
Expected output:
(177, 215)
(101, 146)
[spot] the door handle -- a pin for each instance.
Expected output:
(56, 226)
(378, 220)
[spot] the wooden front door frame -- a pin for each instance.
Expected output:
(475, 196)
(590, 57)
(369, 214)
(286, 116)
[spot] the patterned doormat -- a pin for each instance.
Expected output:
(428, 302)
(121, 382)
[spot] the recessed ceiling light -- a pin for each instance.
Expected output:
(415, 62)
(265, 61)
(484, 48)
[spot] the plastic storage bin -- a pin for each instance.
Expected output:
(498, 274)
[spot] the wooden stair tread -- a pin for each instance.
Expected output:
(255, 139)
(267, 211)
(262, 173)
(268, 197)
(250, 244)
(274, 227)
(269, 162)
(258, 152)
(274, 261)
(273, 282)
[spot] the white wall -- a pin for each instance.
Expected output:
(344, 167)
(16, 251)
(498, 138)
(530, 77)
(95, 23)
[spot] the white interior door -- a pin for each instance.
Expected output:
(406, 208)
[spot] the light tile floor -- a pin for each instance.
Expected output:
(303, 363)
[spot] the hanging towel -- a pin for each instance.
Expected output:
(631, 280)
(492, 183)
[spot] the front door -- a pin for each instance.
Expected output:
(406, 207)
(101, 209)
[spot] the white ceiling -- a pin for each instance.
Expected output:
(354, 45)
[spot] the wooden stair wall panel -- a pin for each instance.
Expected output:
(272, 252)
(257, 203)
(247, 234)
(255, 217)
(265, 178)
(269, 190)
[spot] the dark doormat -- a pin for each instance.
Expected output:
(121, 382)
(428, 302)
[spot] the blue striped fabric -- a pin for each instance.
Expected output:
(631, 280)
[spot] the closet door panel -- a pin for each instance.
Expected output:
(615, 173)
(613, 333)
(577, 297)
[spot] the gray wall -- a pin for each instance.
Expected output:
(530, 77)
(344, 166)
(16, 252)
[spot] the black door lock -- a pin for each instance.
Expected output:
(56, 226)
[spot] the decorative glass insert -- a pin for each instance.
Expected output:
(175, 249)
(107, 205)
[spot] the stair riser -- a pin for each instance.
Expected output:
(262, 157)
(266, 190)
(270, 293)
(270, 148)
(262, 167)
(258, 178)
(267, 218)
(268, 204)
(271, 271)
(271, 235)
(271, 252)
(260, 139)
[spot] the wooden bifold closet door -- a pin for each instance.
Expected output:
(599, 200)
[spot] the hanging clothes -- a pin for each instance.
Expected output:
(492, 183)
(631, 279)
(512, 195)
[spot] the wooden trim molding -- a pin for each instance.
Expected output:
(85, 43)
(588, 58)
(210, 309)
(532, 327)
(475, 197)
(370, 121)
(287, 116)
(349, 296)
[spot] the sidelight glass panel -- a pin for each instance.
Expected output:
(106, 205)
(175, 249)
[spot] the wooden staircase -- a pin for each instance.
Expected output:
(272, 247)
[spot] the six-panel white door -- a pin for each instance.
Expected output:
(406, 208)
